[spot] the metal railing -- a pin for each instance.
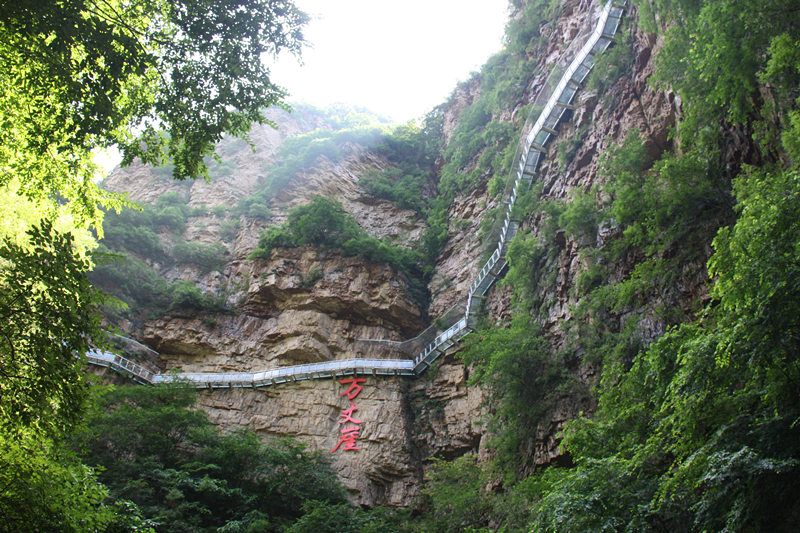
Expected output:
(553, 100)
(122, 365)
(328, 369)
(549, 107)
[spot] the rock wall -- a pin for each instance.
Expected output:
(306, 306)
(384, 471)
(297, 308)
(599, 122)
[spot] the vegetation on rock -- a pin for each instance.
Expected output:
(136, 241)
(152, 449)
(695, 429)
(692, 407)
(323, 223)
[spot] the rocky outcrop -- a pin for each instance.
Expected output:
(302, 306)
(239, 178)
(463, 254)
(305, 305)
(383, 471)
(339, 179)
(449, 413)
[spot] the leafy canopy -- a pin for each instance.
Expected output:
(158, 79)
(48, 315)
(155, 450)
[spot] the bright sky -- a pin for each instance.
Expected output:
(398, 59)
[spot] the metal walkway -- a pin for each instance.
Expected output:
(217, 380)
(551, 103)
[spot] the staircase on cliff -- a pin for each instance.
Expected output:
(553, 100)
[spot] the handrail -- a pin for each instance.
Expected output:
(548, 110)
(327, 369)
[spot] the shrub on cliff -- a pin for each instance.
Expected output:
(206, 257)
(325, 224)
(396, 186)
(185, 475)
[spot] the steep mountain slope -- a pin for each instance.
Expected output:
(614, 237)
(305, 305)
(301, 305)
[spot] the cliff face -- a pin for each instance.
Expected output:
(306, 305)
(302, 305)
(598, 123)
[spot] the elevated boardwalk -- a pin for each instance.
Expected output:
(276, 376)
(541, 126)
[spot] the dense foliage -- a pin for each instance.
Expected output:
(44, 487)
(183, 474)
(413, 151)
(86, 74)
(49, 314)
(323, 223)
(525, 377)
(699, 433)
(695, 427)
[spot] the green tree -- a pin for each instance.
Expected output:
(48, 319)
(391, 184)
(701, 432)
(44, 488)
(75, 76)
(322, 222)
(325, 517)
(184, 474)
(458, 495)
(207, 257)
(84, 74)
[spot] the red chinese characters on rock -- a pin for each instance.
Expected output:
(350, 425)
